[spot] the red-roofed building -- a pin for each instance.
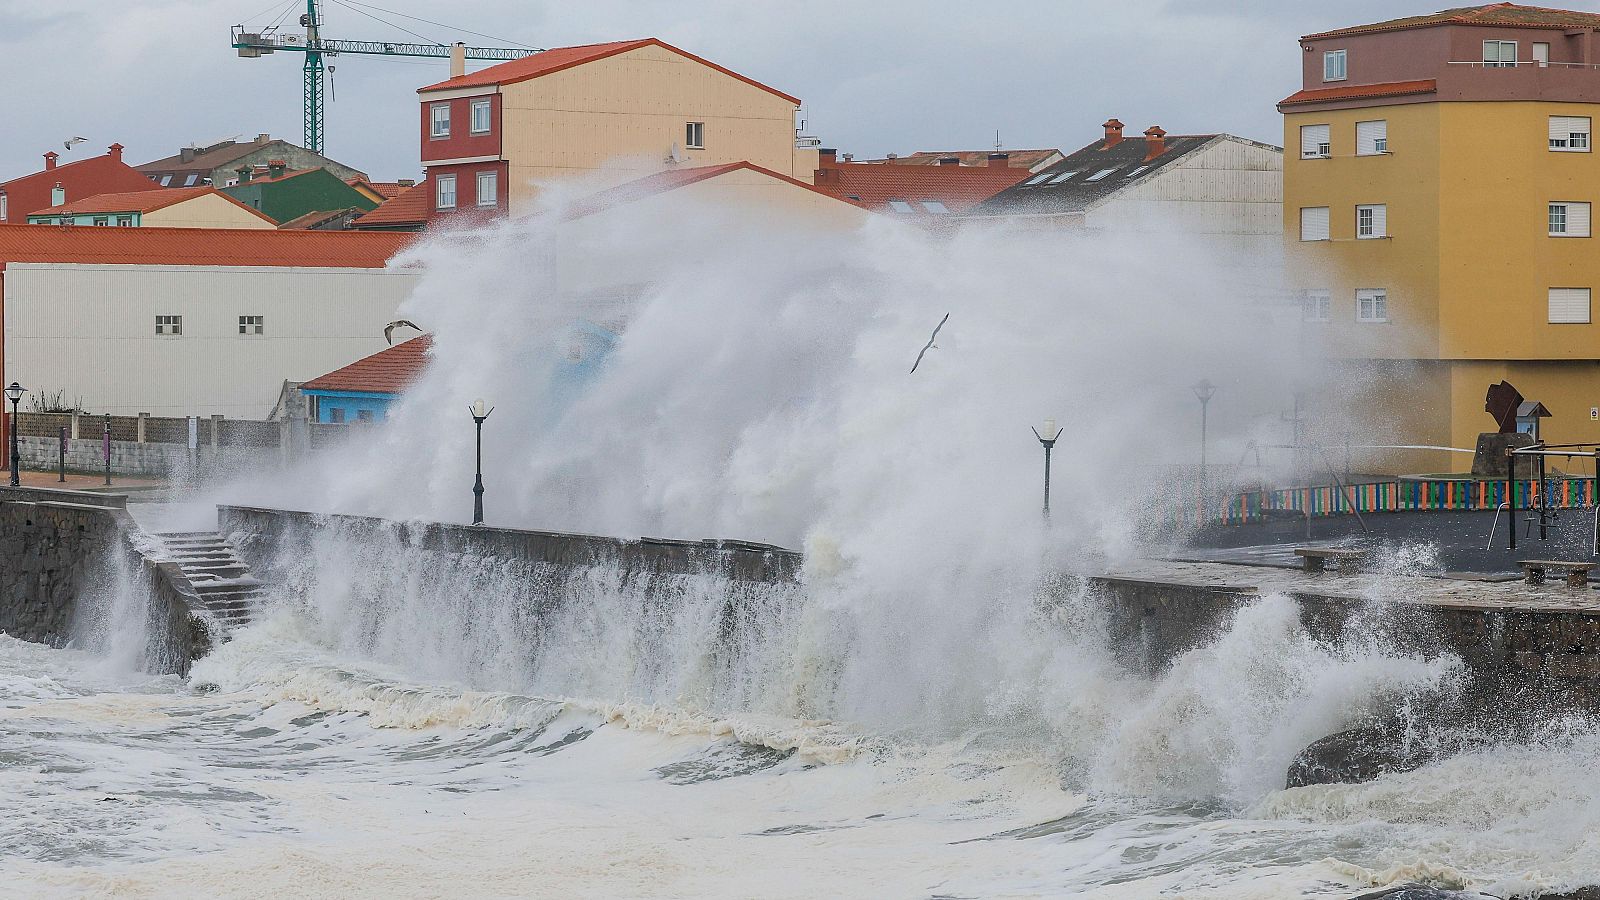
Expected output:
(56, 184)
(915, 190)
(609, 113)
(405, 211)
(189, 321)
(363, 390)
(197, 207)
(1032, 160)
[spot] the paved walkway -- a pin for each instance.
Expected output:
(78, 482)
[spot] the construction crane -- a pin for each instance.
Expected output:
(252, 44)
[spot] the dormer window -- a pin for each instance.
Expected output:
(1333, 65)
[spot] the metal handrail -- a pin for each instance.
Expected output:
(1521, 63)
(1494, 527)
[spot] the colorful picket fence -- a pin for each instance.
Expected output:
(1393, 496)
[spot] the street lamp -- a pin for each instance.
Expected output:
(14, 393)
(479, 413)
(1203, 390)
(1049, 443)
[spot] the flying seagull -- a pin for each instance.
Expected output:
(930, 343)
(69, 144)
(388, 330)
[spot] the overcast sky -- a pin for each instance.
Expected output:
(877, 77)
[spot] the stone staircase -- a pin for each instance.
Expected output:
(219, 580)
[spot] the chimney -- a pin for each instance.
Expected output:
(458, 59)
(276, 168)
(50, 160)
(1003, 160)
(58, 195)
(407, 182)
(116, 152)
(244, 173)
(262, 138)
(1155, 142)
(1113, 134)
(186, 154)
(827, 158)
(949, 160)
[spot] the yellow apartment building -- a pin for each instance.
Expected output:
(1439, 183)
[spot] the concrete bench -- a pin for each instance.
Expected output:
(1533, 571)
(1315, 559)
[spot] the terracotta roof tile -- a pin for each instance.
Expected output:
(409, 207)
(874, 185)
(388, 371)
(546, 62)
(387, 189)
(207, 158)
(198, 246)
(1361, 91)
(671, 180)
(130, 201)
(82, 178)
(1495, 14)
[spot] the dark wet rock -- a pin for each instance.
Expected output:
(1420, 892)
(1362, 754)
(1586, 893)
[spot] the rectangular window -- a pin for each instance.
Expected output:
(1314, 223)
(1569, 306)
(439, 120)
(1372, 138)
(124, 221)
(1315, 306)
(1063, 177)
(1569, 134)
(1315, 142)
(190, 181)
(252, 324)
(169, 324)
(444, 191)
(900, 206)
(1099, 175)
(336, 415)
(1372, 305)
(488, 189)
(1372, 221)
(166, 181)
(480, 116)
(936, 207)
(1333, 65)
(363, 415)
(694, 135)
(1499, 54)
(1569, 219)
(1038, 179)
(3, 210)
(102, 220)
(1541, 54)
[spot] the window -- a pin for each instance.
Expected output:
(900, 206)
(1333, 62)
(1315, 142)
(102, 220)
(1314, 223)
(363, 415)
(1372, 305)
(1315, 306)
(1372, 138)
(1569, 219)
(444, 191)
(336, 415)
(936, 207)
(124, 221)
(1100, 174)
(488, 189)
(439, 120)
(480, 116)
(694, 135)
(252, 324)
(1134, 171)
(166, 181)
(2, 207)
(169, 324)
(1569, 306)
(1064, 176)
(1499, 54)
(1541, 55)
(1569, 134)
(1372, 221)
(1038, 179)
(190, 181)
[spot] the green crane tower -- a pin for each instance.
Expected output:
(253, 44)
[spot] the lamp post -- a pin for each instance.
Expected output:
(14, 393)
(1203, 389)
(1049, 444)
(479, 413)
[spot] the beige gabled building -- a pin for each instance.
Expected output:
(199, 207)
(608, 113)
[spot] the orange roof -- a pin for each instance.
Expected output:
(958, 187)
(137, 201)
(546, 62)
(388, 190)
(671, 180)
(1361, 91)
(409, 207)
(197, 246)
(1496, 14)
(388, 371)
(82, 178)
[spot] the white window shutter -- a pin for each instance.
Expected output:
(1569, 306)
(1380, 220)
(1368, 134)
(1559, 128)
(1313, 138)
(1314, 223)
(1578, 219)
(1562, 128)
